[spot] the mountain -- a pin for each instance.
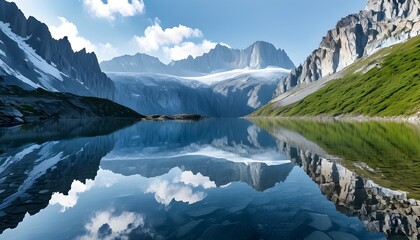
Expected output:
(244, 81)
(162, 94)
(31, 58)
(383, 84)
(257, 56)
(222, 58)
(228, 94)
(136, 63)
(381, 24)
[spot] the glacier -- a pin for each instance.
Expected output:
(233, 93)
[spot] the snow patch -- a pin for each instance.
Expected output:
(387, 43)
(38, 62)
(2, 53)
(18, 75)
(267, 73)
(253, 97)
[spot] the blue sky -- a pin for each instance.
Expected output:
(174, 29)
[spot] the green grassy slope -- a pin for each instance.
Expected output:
(390, 88)
(392, 149)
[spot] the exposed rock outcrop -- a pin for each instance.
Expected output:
(18, 106)
(381, 24)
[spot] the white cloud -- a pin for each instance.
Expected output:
(104, 51)
(109, 225)
(155, 37)
(172, 43)
(112, 8)
(186, 49)
(69, 29)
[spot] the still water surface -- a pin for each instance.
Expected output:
(213, 179)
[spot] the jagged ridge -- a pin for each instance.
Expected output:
(80, 71)
(381, 24)
(222, 58)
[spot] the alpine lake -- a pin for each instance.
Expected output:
(210, 179)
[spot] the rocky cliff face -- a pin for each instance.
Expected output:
(381, 24)
(55, 66)
(257, 56)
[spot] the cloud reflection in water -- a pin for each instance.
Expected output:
(182, 188)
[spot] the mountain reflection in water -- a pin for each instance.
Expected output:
(224, 179)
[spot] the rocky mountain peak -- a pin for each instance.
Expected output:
(80, 71)
(381, 24)
(263, 45)
(394, 9)
(221, 58)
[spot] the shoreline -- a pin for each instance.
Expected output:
(411, 119)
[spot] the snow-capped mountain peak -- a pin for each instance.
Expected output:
(221, 58)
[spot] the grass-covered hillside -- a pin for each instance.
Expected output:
(386, 83)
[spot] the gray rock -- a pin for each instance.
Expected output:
(382, 23)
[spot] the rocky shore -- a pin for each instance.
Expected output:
(19, 106)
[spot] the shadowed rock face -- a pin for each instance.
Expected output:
(381, 24)
(381, 209)
(81, 72)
